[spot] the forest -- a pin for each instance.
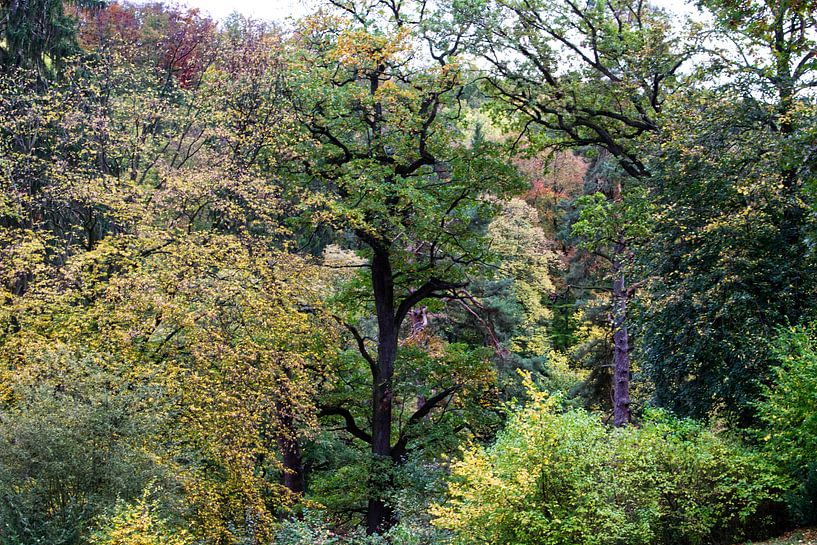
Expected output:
(408, 272)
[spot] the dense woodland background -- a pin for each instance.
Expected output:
(497, 272)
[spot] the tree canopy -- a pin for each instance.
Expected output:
(407, 272)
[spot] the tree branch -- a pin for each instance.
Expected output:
(361, 345)
(351, 425)
(399, 448)
(432, 286)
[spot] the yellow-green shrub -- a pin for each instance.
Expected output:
(555, 478)
(138, 523)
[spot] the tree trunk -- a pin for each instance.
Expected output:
(379, 515)
(621, 341)
(293, 477)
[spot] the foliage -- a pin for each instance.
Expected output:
(790, 422)
(731, 182)
(554, 477)
(720, 281)
(315, 529)
(278, 277)
(525, 257)
(76, 438)
(39, 34)
(138, 523)
(603, 222)
(138, 239)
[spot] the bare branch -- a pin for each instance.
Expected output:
(361, 345)
(351, 425)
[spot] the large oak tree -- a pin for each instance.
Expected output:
(386, 166)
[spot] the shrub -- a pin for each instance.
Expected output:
(138, 523)
(313, 529)
(72, 441)
(556, 478)
(317, 527)
(789, 412)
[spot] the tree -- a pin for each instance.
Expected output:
(786, 410)
(512, 303)
(611, 226)
(384, 164)
(39, 35)
(594, 75)
(71, 437)
(134, 229)
(556, 178)
(731, 178)
(621, 62)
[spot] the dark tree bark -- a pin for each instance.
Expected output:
(379, 515)
(293, 477)
(621, 341)
(391, 313)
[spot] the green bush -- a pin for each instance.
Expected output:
(556, 478)
(72, 442)
(138, 523)
(314, 528)
(789, 412)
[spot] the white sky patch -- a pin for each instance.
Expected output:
(281, 10)
(270, 10)
(680, 8)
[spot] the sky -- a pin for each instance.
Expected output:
(277, 10)
(280, 10)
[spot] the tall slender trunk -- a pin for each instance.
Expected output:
(621, 341)
(379, 515)
(618, 321)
